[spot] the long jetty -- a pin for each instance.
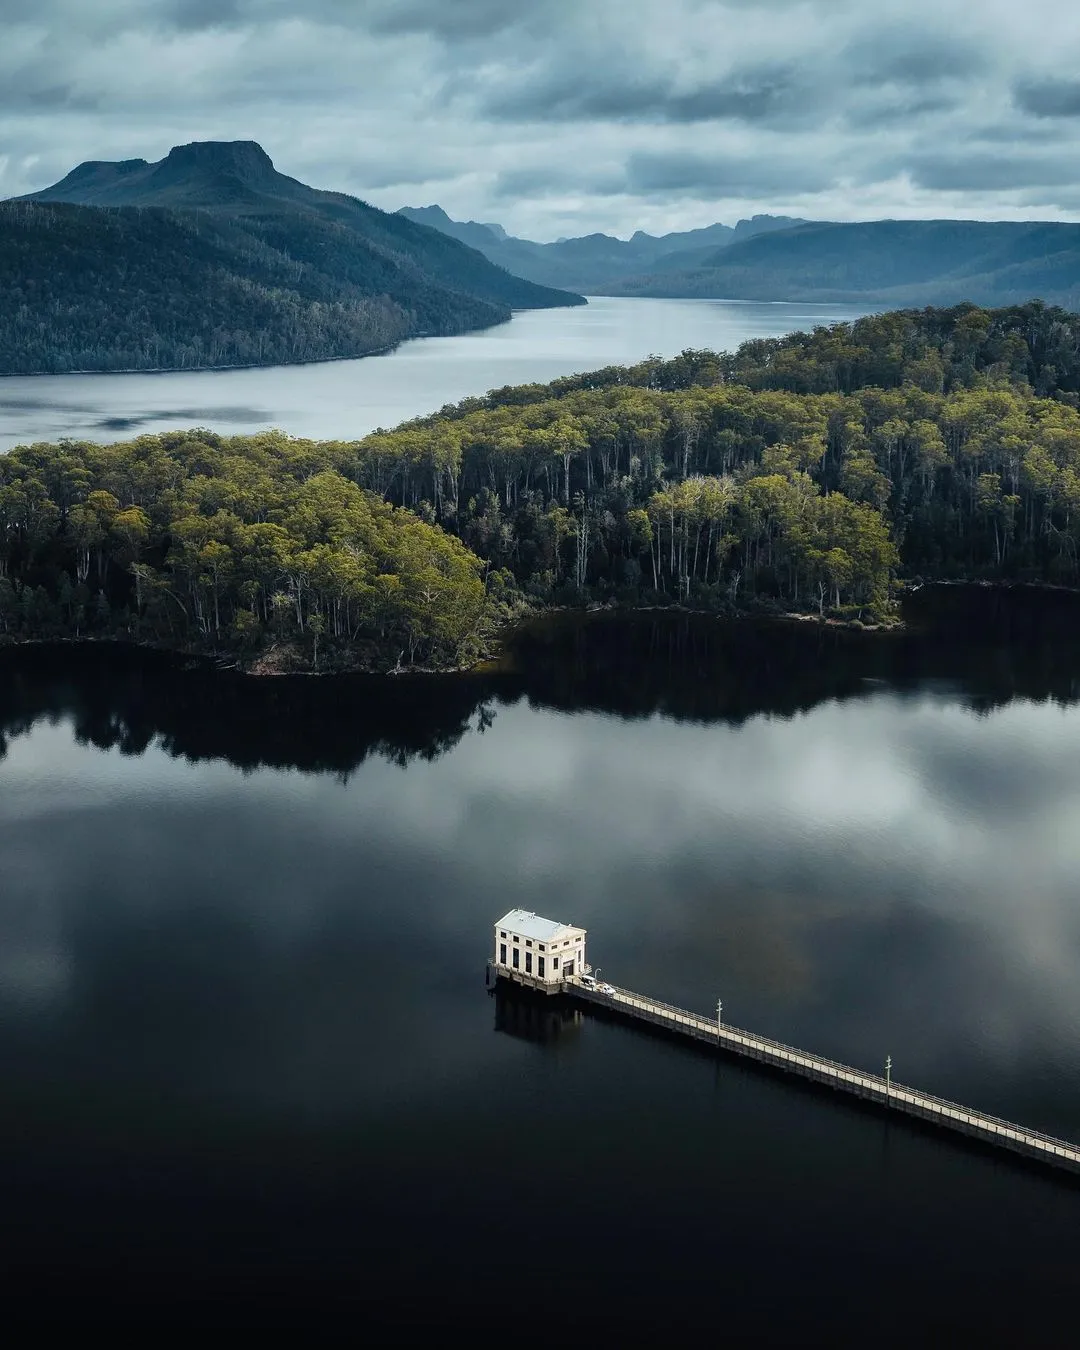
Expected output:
(870, 1087)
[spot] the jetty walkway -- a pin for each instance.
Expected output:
(871, 1087)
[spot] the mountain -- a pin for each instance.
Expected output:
(766, 225)
(881, 262)
(212, 257)
(470, 232)
(238, 178)
(593, 262)
(888, 262)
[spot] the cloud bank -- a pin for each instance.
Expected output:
(566, 116)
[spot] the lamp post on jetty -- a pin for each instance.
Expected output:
(548, 957)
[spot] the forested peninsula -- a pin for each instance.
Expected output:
(813, 473)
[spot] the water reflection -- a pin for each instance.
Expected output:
(243, 928)
(541, 1019)
(976, 647)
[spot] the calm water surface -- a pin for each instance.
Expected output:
(347, 399)
(248, 1061)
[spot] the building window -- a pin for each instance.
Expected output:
(554, 963)
(528, 963)
(542, 948)
(528, 942)
(540, 966)
(516, 938)
(502, 953)
(517, 958)
(502, 934)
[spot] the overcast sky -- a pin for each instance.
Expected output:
(559, 117)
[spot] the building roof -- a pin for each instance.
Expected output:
(533, 926)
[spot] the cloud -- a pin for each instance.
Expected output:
(562, 118)
(904, 56)
(850, 856)
(766, 93)
(456, 20)
(724, 174)
(1049, 98)
(985, 171)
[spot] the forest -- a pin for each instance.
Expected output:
(134, 289)
(815, 473)
(249, 545)
(213, 258)
(151, 288)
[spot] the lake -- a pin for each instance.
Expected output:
(249, 1063)
(343, 400)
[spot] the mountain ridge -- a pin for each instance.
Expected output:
(893, 262)
(260, 269)
(239, 178)
(589, 262)
(769, 258)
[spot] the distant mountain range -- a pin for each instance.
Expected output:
(595, 262)
(888, 263)
(881, 262)
(211, 257)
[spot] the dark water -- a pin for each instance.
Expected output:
(347, 399)
(250, 1074)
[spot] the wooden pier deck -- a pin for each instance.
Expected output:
(893, 1096)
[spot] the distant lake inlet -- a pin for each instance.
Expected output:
(344, 400)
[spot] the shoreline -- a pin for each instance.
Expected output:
(245, 365)
(385, 350)
(239, 365)
(260, 666)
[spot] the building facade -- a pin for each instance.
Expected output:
(541, 950)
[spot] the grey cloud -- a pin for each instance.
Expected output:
(205, 13)
(454, 19)
(1014, 133)
(373, 173)
(766, 93)
(982, 172)
(726, 175)
(539, 179)
(561, 96)
(903, 57)
(888, 111)
(683, 174)
(1049, 98)
(569, 117)
(41, 96)
(1058, 197)
(449, 21)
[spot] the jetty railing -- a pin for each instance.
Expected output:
(909, 1100)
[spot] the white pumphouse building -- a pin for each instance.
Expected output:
(538, 951)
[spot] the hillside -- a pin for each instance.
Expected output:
(212, 257)
(884, 261)
(591, 263)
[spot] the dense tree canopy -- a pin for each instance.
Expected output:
(147, 288)
(807, 473)
(193, 540)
